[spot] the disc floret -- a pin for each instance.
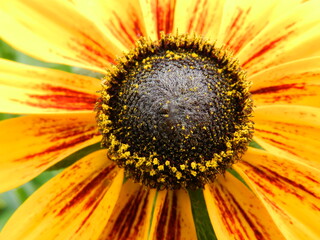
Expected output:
(175, 113)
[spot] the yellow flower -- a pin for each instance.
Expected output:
(276, 42)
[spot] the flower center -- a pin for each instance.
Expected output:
(175, 113)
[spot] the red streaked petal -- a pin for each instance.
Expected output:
(131, 216)
(202, 17)
(31, 144)
(76, 204)
(296, 82)
(173, 218)
(290, 128)
(238, 24)
(288, 188)
(120, 21)
(28, 89)
(56, 31)
(290, 36)
(158, 16)
(236, 213)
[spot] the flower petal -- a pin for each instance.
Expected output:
(292, 129)
(29, 145)
(28, 89)
(236, 213)
(173, 218)
(158, 16)
(76, 204)
(288, 188)
(238, 24)
(293, 35)
(202, 17)
(131, 216)
(296, 82)
(55, 31)
(120, 21)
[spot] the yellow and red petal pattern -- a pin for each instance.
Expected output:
(293, 129)
(158, 16)
(55, 31)
(292, 36)
(172, 219)
(120, 21)
(296, 82)
(243, 20)
(288, 188)
(31, 144)
(27, 89)
(202, 17)
(76, 204)
(131, 216)
(236, 213)
(239, 22)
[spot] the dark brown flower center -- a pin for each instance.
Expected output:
(175, 113)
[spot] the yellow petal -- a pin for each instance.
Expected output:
(292, 35)
(173, 218)
(292, 129)
(120, 21)
(288, 188)
(29, 145)
(202, 17)
(131, 216)
(236, 213)
(28, 89)
(76, 204)
(55, 31)
(241, 21)
(158, 17)
(296, 82)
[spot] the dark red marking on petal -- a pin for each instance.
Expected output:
(312, 180)
(278, 209)
(122, 31)
(253, 227)
(279, 88)
(316, 208)
(94, 188)
(279, 181)
(279, 93)
(99, 51)
(229, 215)
(169, 226)
(281, 145)
(131, 217)
(269, 132)
(198, 25)
(236, 24)
(54, 151)
(96, 50)
(271, 45)
(164, 16)
(60, 98)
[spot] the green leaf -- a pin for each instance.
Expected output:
(254, 144)
(200, 215)
(7, 52)
(4, 116)
(10, 53)
(237, 175)
(75, 157)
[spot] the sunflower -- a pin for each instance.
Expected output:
(158, 176)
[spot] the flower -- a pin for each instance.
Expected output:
(272, 193)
